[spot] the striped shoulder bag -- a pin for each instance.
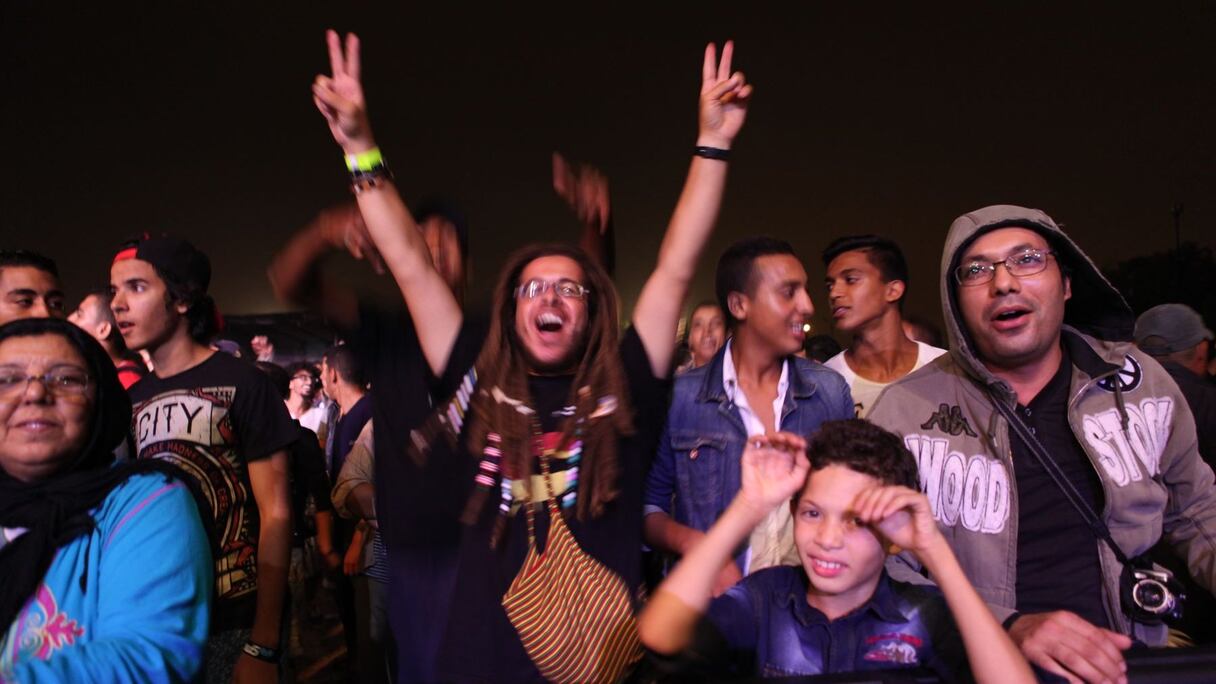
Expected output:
(573, 615)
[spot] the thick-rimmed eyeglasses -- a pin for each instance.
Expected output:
(565, 288)
(58, 382)
(1025, 263)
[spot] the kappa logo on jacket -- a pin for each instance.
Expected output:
(1149, 425)
(972, 491)
(950, 420)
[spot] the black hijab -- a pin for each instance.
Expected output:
(55, 510)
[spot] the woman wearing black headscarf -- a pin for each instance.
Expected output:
(105, 570)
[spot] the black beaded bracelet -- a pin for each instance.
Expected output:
(711, 152)
(361, 181)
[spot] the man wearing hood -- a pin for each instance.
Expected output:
(1037, 334)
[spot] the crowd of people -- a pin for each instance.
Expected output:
(536, 494)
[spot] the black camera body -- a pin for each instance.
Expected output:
(1151, 596)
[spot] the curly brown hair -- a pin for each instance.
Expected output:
(598, 375)
(864, 447)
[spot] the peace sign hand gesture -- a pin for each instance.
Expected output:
(724, 98)
(340, 98)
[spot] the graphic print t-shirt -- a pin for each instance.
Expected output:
(211, 421)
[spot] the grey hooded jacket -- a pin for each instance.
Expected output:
(1126, 412)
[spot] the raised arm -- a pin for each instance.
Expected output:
(723, 108)
(774, 468)
(903, 516)
(432, 305)
(585, 190)
(295, 274)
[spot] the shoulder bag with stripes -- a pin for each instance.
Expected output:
(573, 615)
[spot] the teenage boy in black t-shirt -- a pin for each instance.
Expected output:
(222, 421)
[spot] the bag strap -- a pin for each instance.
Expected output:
(1057, 475)
(551, 499)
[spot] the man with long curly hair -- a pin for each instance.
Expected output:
(561, 408)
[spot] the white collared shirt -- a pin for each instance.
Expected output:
(730, 384)
(772, 542)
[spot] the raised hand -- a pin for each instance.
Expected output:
(342, 227)
(584, 189)
(774, 469)
(902, 515)
(262, 348)
(340, 97)
(724, 98)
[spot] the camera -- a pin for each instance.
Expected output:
(1151, 596)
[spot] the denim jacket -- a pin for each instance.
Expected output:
(696, 472)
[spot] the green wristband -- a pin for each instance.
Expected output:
(364, 161)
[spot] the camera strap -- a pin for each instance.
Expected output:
(1057, 475)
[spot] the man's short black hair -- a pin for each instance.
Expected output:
(23, 257)
(735, 268)
(346, 363)
(107, 314)
(883, 253)
(821, 347)
(297, 366)
(864, 447)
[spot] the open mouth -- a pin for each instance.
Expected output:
(826, 568)
(549, 323)
(1008, 318)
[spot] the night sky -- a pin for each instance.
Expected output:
(119, 119)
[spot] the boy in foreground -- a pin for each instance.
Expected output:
(838, 612)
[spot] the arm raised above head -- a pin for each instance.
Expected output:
(723, 108)
(903, 516)
(774, 468)
(432, 304)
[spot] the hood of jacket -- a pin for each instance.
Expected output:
(1096, 308)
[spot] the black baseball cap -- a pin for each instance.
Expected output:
(176, 259)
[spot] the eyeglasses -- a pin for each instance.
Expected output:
(1025, 263)
(60, 382)
(565, 288)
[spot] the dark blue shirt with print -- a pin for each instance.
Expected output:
(766, 619)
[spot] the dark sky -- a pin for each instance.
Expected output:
(119, 119)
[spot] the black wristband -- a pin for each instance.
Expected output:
(711, 152)
(263, 653)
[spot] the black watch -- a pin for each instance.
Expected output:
(263, 653)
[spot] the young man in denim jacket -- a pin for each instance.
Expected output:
(754, 385)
